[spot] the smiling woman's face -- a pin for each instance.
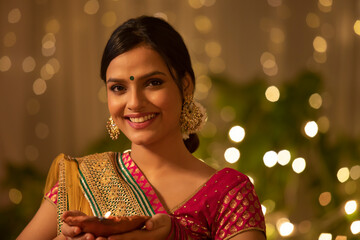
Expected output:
(143, 98)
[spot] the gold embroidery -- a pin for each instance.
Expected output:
(233, 204)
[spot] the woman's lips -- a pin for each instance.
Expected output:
(140, 121)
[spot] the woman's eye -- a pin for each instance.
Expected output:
(155, 82)
(117, 88)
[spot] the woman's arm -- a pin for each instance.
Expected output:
(43, 225)
(249, 235)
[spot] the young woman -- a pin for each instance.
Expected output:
(150, 83)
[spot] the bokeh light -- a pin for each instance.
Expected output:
(15, 195)
(274, 3)
(277, 35)
(323, 124)
(343, 174)
(217, 65)
(312, 20)
(209, 130)
(91, 7)
(109, 19)
(270, 159)
(42, 130)
(52, 26)
(5, 63)
(213, 49)
(355, 227)
(355, 172)
(228, 113)
(311, 129)
(320, 44)
(299, 165)
(325, 236)
(9, 39)
(203, 24)
(315, 101)
(284, 157)
(14, 15)
(357, 27)
(325, 198)
(237, 133)
(272, 94)
(319, 57)
(285, 227)
(232, 155)
(28, 64)
(350, 207)
(269, 205)
(39, 86)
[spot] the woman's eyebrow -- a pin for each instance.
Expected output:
(147, 75)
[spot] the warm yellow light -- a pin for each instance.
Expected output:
(53, 26)
(55, 64)
(47, 71)
(196, 4)
(355, 172)
(109, 19)
(325, 198)
(284, 157)
(319, 57)
(272, 94)
(269, 205)
(39, 86)
(28, 65)
(107, 214)
(270, 158)
(217, 65)
(213, 49)
(357, 27)
(325, 236)
(355, 227)
(9, 39)
(14, 15)
(232, 155)
(350, 207)
(299, 165)
(340, 237)
(203, 24)
(343, 174)
(42, 130)
(237, 133)
(5, 63)
(315, 100)
(320, 44)
(323, 124)
(266, 56)
(285, 227)
(15, 195)
(277, 35)
(228, 113)
(91, 7)
(312, 20)
(311, 129)
(326, 3)
(274, 3)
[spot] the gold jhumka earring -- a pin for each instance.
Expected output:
(113, 130)
(193, 117)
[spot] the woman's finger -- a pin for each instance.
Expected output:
(158, 221)
(70, 231)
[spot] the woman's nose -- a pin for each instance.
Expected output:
(136, 100)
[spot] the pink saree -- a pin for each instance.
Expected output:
(223, 207)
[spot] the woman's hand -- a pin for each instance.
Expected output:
(156, 228)
(74, 232)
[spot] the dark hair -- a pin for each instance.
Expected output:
(163, 38)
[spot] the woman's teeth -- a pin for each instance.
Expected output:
(142, 119)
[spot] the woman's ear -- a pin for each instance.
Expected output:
(187, 85)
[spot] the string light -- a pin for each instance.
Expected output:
(325, 198)
(213, 49)
(270, 159)
(15, 195)
(28, 64)
(91, 7)
(343, 174)
(39, 86)
(325, 236)
(350, 207)
(272, 94)
(237, 133)
(109, 19)
(315, 101)
(232, 155)
(319, 44)
(5, 63)
(9, 39)
(357, 27)
(311, 129)
(14, 15)
(42, 130)
(355, 227)
(312, 20)
(339, 237)
(299, 165)
(203, 24)
(323, 124)
(285, 227)
(284, 157)
(355, 172)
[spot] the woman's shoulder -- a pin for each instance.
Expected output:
(229, 176)
(89, 157)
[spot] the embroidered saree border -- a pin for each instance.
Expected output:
(136, 189)
(104, 188)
